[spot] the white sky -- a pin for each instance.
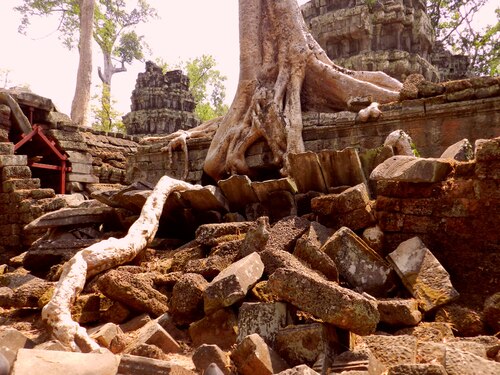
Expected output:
(186, 29)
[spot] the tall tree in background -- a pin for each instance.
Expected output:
(206, 84)
(119, 44)
(113, 31)
(452, 22)
(80, 107)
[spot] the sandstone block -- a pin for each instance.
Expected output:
(20, 184)
(460, 151)
(11, 341)
(341, 168)
(325, 300)
(374, 238)
(280, 204)
(219, 328)
(61, 363)
(6, 148)
(393, 350)
(262, 189)
(422, 274)
(265, 319)
(458, 362)
(417, 369)
(206, 199)
(411, 169)
(105, 334)
(135, 323)
(429, 331)
(154, 334)
(15, 171)
(349, 200)
(134, 365)
(465, 321)
(362, 267)
(299, 370)
(303, 344)
(256, 238)
(186, 303)
(306, 171)
(487, 149)
(233, 283)
(399, 312)
(357, 361)
(10, 160)
(204, 355)
(238, 191)
(213, 234)
(253, 356)
(285, 233)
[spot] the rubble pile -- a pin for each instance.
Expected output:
(333, 270)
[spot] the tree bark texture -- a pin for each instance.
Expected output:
(283, 72)
(101, 257)
(80, 107)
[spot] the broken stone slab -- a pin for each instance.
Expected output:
(422, 274)
(349, 200)
(253, 356)
(465, 321)
(233, 283)
(308, 250)
(186, 303)
(280, 204)
(458, 362)
(213, 234)
(265, 319)
(362, 267)
(11, 341)
(393, 350)
(17, 114)
(256, 238)
(133, 290)
(411, 169)
(13, 160)
(135, 365)
(154, 334)
(132, 200)
(263, 188)
(71, 217)
(306, 171)
(135, 323)
(357, 361)
(303, 344)
(399, 312)
(205, 354)
(341, 168)
(326, 300)
(207, 198)
(275, 259)
(105, 334)
(54, 362)
(219, 328)
(429, 331)
(22, 291)
(284, 234)
(238, 191)
(460, 151)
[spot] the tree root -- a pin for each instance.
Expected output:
(100, 257)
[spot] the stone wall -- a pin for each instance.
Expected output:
(161, 103)
(457, 218)
(459, 109)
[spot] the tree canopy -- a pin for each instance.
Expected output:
(452, 21)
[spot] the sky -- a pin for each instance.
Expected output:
(185, 29)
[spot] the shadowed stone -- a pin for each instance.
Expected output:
(341, 168)
(205, 355)
(411, 169)
(219, 328)
(491, 311)
(265, 319)
(284, 234)
(422, 274)
(54, 362)
(233, 283)
(362, 267)
(186, 303)
(206, 199)
(11, 341)
(325, 300)
(460, 151)
(263, 188)
(134, 365)
(299, 370)
(253, 356)
(154, 334)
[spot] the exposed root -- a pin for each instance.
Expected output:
(100, 257)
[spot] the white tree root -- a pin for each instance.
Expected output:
(100, 257)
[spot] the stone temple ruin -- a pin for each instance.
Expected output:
(366, 259)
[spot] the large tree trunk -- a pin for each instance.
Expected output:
(283, 72)
(80, 108)
(106, 75)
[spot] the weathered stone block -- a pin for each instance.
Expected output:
(134, 365)
(362, 267)
(417, 369)
(399, 312)
(349, 200)
(306, 171)
(411, 169)
(299, 370)
(460, 151)
(15, 171)
(458, 362)
(154, 334)
(491, 311)
(341, 168)
(11, 160)
(54, 362)
(253, 356)
(238, 191)
(219, 328)
(6, 148)
(204, 355)
(11, 342)
(211, 234)
(205, 199)
(105, 334)
(233, 283)
(186, 303)
(20, 184)
(302, 344)
(422, 274)
(393, 350)
(262, 189)
(285, 233)
(326, 300)
(265, 319)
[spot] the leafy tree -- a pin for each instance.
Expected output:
(452, 22)
(105, 117)
(206, 84)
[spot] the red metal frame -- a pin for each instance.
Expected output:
(37, 130)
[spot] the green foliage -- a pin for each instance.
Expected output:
(206, 84)
(452, 22)
(105, 118)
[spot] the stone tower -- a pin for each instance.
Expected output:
(161, 103)
(393, 36)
